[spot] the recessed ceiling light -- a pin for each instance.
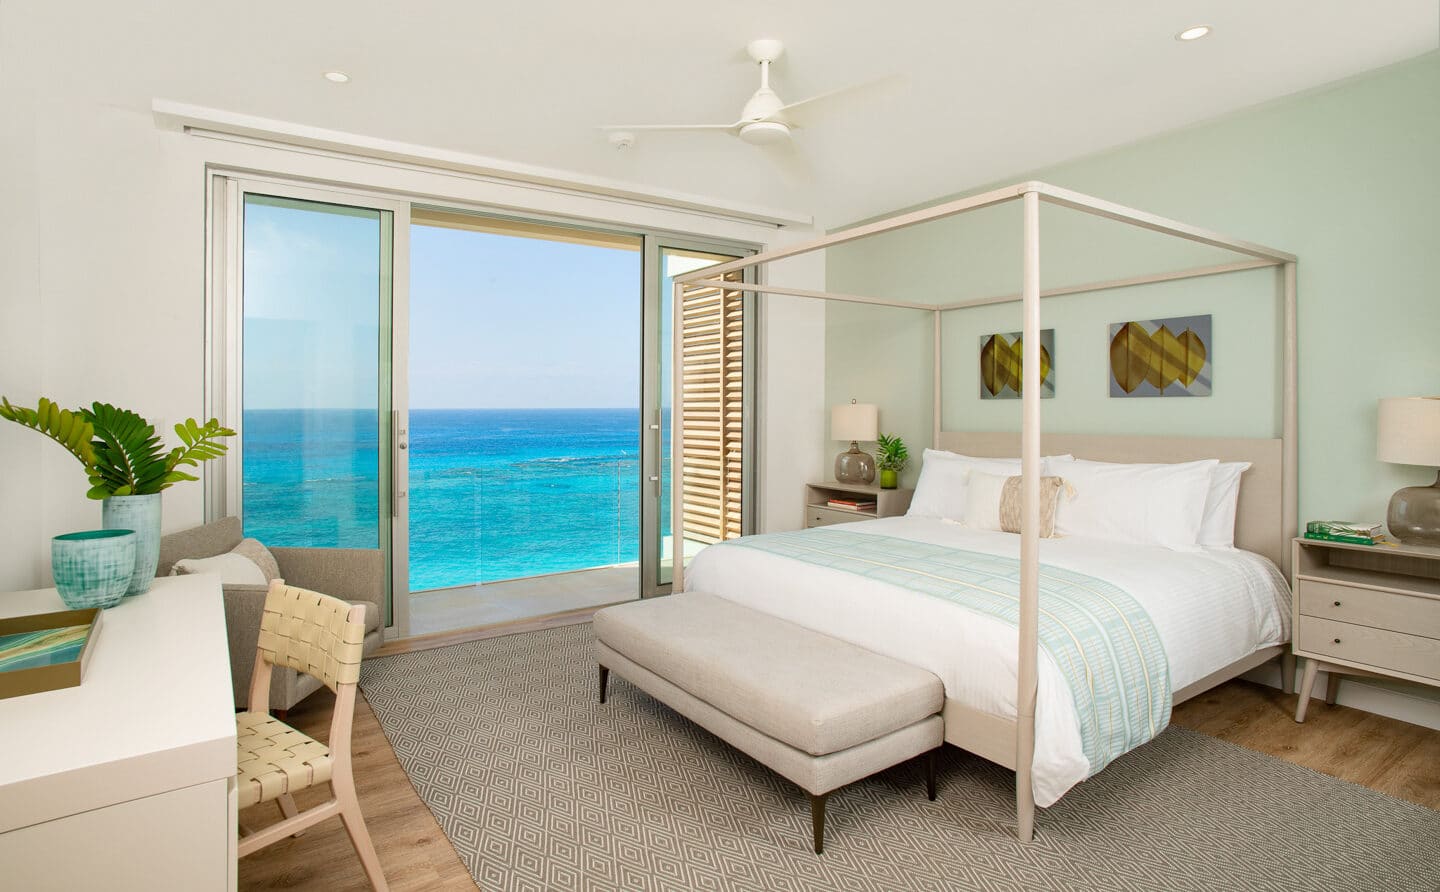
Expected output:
(1194, 33)
(340, 77)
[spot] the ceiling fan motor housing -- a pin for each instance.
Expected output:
(761, 133)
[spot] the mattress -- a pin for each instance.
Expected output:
(1210, 608)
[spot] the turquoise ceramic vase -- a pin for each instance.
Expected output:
(93, 568)
(141, 514)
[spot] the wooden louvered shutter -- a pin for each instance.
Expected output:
(713, 368)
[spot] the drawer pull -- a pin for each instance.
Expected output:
(1337, 603)
(1337, 640)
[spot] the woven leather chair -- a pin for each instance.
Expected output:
(356, 575)
(322, 637)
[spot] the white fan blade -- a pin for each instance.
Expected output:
(614, 127)
(795, 113)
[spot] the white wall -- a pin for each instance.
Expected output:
(104, 288)
(792, 386)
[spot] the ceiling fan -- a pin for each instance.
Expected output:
(766, 119)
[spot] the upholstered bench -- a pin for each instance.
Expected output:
(821, 712)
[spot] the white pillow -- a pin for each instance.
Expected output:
(234, 569)
(982, 500)
(1140, 504)
(940, 491)
(1217, 526)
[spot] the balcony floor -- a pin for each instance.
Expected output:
(446, 609)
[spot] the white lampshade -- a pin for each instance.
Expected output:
(856, 421)
(1409, 431)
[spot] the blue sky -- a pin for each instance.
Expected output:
(501, 321)
(495, 321)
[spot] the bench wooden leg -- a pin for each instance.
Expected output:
(930, 774)
(604, 680)
(817, 820)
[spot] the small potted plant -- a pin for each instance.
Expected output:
(891, 457)
(126, 464)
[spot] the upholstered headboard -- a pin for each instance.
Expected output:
(1260, 520)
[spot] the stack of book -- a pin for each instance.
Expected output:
(852, 504)
(1345, 531)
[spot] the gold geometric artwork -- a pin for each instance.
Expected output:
(1001, 365)
(1161, 357)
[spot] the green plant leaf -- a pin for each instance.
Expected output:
(129, 458)
(891, 454)
(201, 444)
(67, 428)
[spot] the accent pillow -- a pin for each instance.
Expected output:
(1217, 526)
(940, 491)
(248, 563)
(993, 502)
(1139, 504)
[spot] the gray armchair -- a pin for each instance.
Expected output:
(356, 575)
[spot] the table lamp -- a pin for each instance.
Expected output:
(855, 422)
(1409, 434)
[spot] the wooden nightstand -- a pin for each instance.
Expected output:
(1365, 610)
(888, 502)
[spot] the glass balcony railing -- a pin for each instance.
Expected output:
(521, 493)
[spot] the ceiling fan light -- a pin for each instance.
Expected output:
(760, 133)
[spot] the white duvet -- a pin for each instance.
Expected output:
(1210, 608)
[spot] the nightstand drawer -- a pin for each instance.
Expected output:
(824, 517)
(1367, 607)
(1412, 654)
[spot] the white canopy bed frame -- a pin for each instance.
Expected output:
(1266, 518)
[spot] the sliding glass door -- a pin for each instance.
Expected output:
(320, 462)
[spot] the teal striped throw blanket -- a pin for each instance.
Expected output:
(1099, 637)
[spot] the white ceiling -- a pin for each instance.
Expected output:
(989, 89)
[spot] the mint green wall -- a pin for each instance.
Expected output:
(1346, 177)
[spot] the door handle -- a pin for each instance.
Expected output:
(659, 458)
(400, 441)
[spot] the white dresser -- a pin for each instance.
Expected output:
(127, 781)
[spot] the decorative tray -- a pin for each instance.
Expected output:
(46, 651)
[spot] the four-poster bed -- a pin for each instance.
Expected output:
(1266, 518)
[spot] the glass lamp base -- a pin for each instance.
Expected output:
(854, 466)
(1414, 515)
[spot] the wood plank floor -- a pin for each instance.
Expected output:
(1393, 757)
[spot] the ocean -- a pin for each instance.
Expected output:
(494, 493)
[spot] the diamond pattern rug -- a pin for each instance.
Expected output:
(538, 786)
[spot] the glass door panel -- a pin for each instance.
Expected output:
(316, 430)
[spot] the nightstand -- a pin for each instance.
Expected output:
(888, 502)
(1365, 610)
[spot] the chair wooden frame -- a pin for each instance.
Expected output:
(343, 803)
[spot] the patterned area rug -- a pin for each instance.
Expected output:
(540, 787)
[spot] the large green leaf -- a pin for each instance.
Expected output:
(201, 444)
(69, 429)
(129, 459)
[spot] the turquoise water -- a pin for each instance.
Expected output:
(494, 493)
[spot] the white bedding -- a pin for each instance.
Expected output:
(1210, 608)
